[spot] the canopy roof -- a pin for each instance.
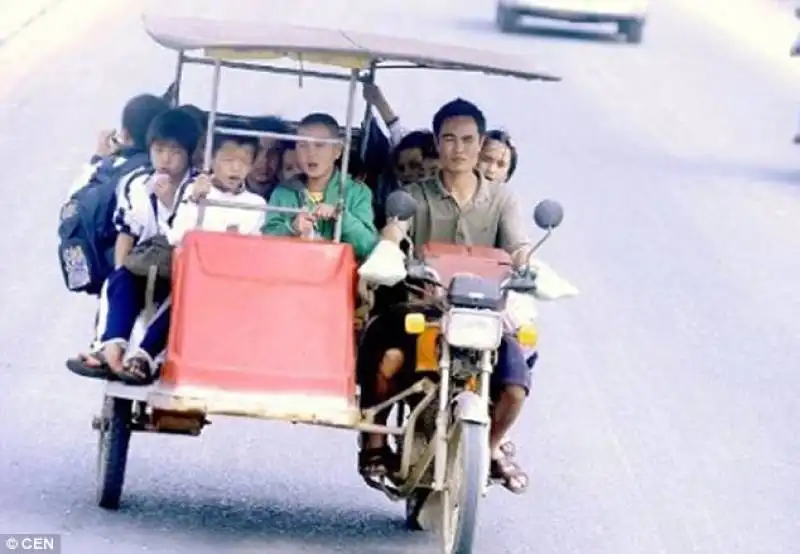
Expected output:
(239, 40)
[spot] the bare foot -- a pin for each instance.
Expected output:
(114, 354)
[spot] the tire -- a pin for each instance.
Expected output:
(414, 503)
(505, 19)
(471, 455)
(112, 451)
(633, 30)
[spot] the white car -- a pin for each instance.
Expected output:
(629, 15)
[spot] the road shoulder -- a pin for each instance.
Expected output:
(44, 30)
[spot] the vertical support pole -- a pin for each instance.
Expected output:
(178, 78)
(212, 123)
(442, 422)
(348, 141)
(212, 115)
(368, 115)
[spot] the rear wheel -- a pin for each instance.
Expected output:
(505, 19)
(466, 479)
(112, 451)
(632, 29)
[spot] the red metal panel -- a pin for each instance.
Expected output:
(262, 314)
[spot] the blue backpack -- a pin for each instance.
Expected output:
(86, 229)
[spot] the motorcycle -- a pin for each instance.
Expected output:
(466, 300)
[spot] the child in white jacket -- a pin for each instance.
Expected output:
(232, 161)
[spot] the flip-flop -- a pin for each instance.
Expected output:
(509, 474)
(375, 463)
(508, 448)
(80, 366)
(137, 372)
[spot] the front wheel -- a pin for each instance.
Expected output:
(414, 504)
(468, 454)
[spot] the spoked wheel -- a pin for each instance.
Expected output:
(414, 504)
(468, 454)
(112, 451)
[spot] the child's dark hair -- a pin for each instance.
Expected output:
(271, 124)
(429, 150)
(423, 140)
(274, 124)
(356, 167)
(324, 119)
(505, 138)
(175, 125)
(200, 116)
(241, 140)
(458, 108)
(137, 115)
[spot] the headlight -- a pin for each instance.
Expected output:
(478, 329)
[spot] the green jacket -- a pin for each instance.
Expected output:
(358, 223)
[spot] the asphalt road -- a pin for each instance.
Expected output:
(664, 408)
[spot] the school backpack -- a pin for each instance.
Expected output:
(86, 229)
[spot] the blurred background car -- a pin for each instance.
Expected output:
(628, 15)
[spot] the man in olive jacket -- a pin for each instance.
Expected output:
(317, 192)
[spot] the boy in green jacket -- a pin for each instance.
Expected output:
(318, 192)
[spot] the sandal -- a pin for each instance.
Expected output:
(509, 474)
(93, 366)
(375, 463)
(137, 372)
(508, 448)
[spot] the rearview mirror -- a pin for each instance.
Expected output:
(400, 205)
(548, 214)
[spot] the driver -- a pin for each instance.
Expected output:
(457, 206)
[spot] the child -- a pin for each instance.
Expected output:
(129, 143)
(317, 191)
(498, 158)
(415, 158)
(265, 173)
(146, 209)
(289, 169)
(87, 237)
(233, 158)
(202, 120)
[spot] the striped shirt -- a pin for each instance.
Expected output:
(139, 212)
